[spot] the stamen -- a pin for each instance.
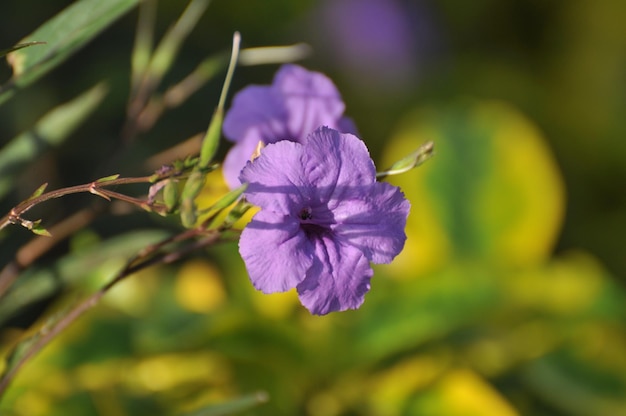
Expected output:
(305, 214)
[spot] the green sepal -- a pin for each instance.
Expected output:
(192, 188)
(194, 184)
(188, 213)
(171, 195)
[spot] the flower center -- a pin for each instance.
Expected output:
(305, 214)
(308, 224)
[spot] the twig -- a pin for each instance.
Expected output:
(95, 187)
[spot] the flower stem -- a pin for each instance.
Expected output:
(95, 187)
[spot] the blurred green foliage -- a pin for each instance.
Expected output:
(507, 300)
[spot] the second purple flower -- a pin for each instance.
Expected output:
(298, 102)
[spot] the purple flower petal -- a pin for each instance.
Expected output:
(276, 252)
(338, 279)
(311, 99)
(232, 164)
(257, 113)
(276, 180)
(374, 224)
(337, 162)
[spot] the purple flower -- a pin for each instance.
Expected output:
(298, 102)
(323, 219)
(377, 42)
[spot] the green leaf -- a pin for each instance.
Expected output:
(212, 138)
(218, 207)
(168, 48)
(19, 46)
(228, 199)
(38, 192)
(49, 131)
(494, 191)
(108, 178)
(142, 49)
(236, 213)
(64, 34)
(39, 230)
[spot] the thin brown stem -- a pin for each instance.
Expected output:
(96, 187)
(153, 207)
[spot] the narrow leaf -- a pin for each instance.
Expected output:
(236, 213)
(39, 230)
(19, 46)
(143, 41)
(169, 46)
(64, 34)
(38, 192)
(218, 207)
(211, 140)
(228, 199)
(108, 178)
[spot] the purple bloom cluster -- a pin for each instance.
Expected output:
(323, 216)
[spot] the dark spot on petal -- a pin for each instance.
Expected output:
(305, 214)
